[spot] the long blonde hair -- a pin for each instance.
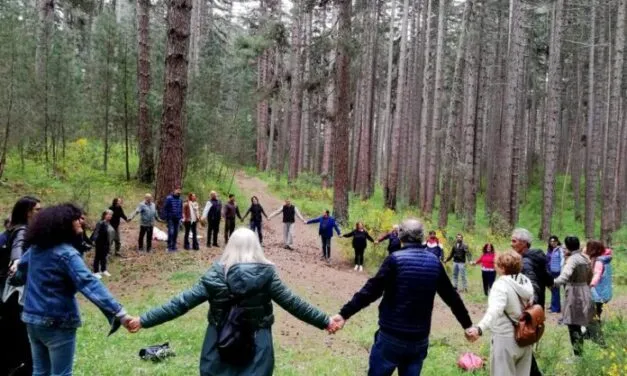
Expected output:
(243, 247)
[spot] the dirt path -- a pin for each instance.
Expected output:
(327, 286)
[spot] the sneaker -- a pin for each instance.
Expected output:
(356, 267)
(361, 268)
(98, 275)
(106, 274)
(328, 260)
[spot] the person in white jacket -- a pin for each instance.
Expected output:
(509, 294)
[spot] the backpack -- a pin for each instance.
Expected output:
(5, 252)
(530, 325)
(236, 336)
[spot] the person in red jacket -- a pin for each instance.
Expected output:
(488, 273)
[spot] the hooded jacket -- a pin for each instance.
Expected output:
(507, 295)
(602, 278)
(534, 267)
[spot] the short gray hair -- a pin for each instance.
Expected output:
(522, 235)
(411, 230)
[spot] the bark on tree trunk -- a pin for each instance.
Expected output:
(426, 110)
(296, 103)
(340, 160)
(146, 170)
(437, 109)
(554, 91)
(387, 127)
(171, 156)
(392, 188)
(613, 134)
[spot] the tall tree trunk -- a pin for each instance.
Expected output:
(471, 71)
(387, 125)
(437, 108)
(454, 107)
(342, 120)
(554, 91)
(580, 121)
(307, 97)
(609, 175)
(416, 97)
(331, 114)
(392, 188)
(126, 114)
(107, 100)
(592, 134)
(171, 156)
(515, 73)
(296, 104)
(8, 125)
(427, 109)
(146, 170)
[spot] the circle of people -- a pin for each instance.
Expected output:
(43, 269)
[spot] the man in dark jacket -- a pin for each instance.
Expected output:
(212, 215)
(325, 230)
(290, 212)
(459, 254)
(408, 281)
(534, 267)
(172, 214)
(118, 215)
(231, 210)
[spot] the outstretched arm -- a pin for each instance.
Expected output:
(246, 214)
(372, 290)
(451, 298)
(349, 235)
(238, 214)
(337, 228)
(369, 237)
(298, 214)
(275, 213)
(315, 220)
(263, 212)
(177, 306)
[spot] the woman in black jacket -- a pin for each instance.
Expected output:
(360, 237)
(256, 211)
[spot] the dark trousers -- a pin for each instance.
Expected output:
(326, 247)
(256, 226)
(100, 259)
(173, 233)
(556, 305)
(116, 240)
(15, 357)
(535, 370)
(213, 226)
(229, 227)
(191, 227)
(389, 354)
(359, 256)
(145, 231)
(488, 277)
(576, 339)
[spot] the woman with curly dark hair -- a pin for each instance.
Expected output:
(488, 273)
(53, 272)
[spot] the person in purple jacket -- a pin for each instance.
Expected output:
(327, 225)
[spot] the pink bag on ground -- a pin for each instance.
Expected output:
(470, 362)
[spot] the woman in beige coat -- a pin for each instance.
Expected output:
(511, 291)
(578, 308)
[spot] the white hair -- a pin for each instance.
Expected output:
(243, 247)
(523, 235)
(395, 227)
(411, 230)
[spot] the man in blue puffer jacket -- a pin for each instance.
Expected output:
(408, 281)
(327, 225)
(172, 214)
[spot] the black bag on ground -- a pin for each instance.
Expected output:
(236, 336)
(156, 353)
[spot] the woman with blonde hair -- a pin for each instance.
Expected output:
(509, 294)
(244, 273)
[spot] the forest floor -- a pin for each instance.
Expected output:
(142, 281)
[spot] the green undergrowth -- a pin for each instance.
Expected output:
(79, 177)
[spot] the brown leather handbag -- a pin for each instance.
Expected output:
(530, 325)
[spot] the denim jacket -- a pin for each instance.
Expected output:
(53, 277)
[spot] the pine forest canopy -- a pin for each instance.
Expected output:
(440, 102)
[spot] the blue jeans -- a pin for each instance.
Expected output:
(389, 353)
(173, 233)
(53, 350)
(556, 305)
(460, 268)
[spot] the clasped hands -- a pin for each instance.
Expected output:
(132, 324)
(336, 323)
(472, 334)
